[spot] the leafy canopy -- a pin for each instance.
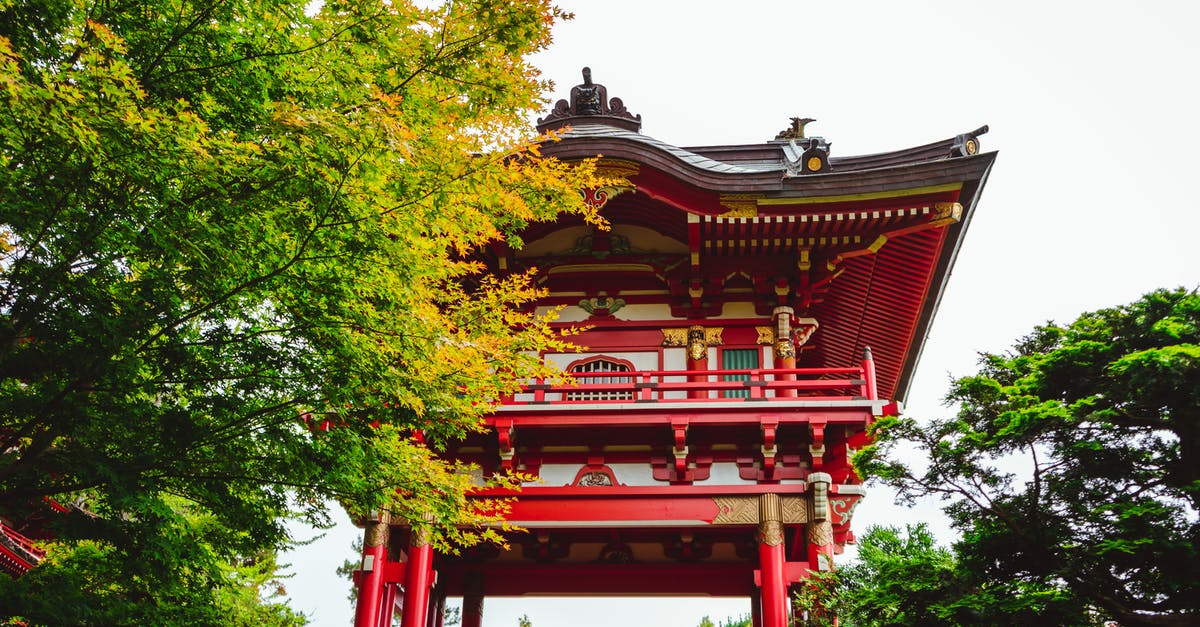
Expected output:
(1074, 462)
(221, 217)
(903, 578)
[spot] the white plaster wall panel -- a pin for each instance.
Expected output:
(724, 473)
(739, 310)
(557, 474)
(649, 240)
(647, 311)
(675, 359)
(634, 474)
(641, 360)
(566, 314)
(559, 242)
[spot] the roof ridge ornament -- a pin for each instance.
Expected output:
(590, 104)
(967, 144)
(796, 130)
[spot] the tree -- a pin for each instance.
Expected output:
(903, 578)
(1072, 465)
(221, 217)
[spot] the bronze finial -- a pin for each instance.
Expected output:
(590, 100)
(796, 130)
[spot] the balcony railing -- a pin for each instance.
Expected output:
(724, 386)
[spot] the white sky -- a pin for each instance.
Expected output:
(1092, 106)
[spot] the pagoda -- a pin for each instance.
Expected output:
(751, 310)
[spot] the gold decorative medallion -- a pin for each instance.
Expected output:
(814, 164)
(972, 146)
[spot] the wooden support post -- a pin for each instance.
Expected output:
(785, 348)
(370, 608)
(756, 609)
(472, 607)
(771, 561)
(387, 608)
(437, 608)
(418, 579)
(697, 354)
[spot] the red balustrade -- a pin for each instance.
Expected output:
(760, 384)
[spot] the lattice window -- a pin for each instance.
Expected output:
(599, 365)
(738, 359)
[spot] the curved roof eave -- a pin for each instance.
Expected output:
(768, 179)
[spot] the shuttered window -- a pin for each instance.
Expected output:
(738, 359)
(600, 365)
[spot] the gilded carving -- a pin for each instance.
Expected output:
(421, 535)
(674, 337)
(770, 515)
(766, 335)
(951, 211)
(736, 510)
(770, 532)
(696, 344)
(377, 531)
(784, 349)
(795, 509)
(820, 533)
(740, 205)
(617, 168)
(594, 479)
(713, 336)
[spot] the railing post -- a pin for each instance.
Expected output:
(539, 392)
(868, 367)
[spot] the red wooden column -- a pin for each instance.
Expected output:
(772, 561)
(370, 610)
(472, 607)
(785, 347)
(418, 579)
(697, 357)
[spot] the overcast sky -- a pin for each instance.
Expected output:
(1092, 106)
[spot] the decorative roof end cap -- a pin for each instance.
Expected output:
(590, 104)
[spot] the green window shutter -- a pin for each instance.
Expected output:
(738, 359)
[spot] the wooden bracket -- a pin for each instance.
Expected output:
(769, 450)
(505, 435)
(816, 448)
(680, 450)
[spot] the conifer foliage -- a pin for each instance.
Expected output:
(1073, 466)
